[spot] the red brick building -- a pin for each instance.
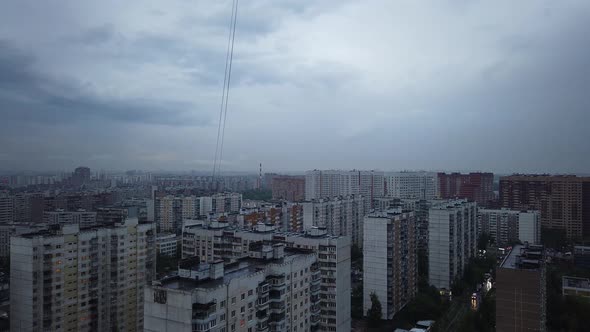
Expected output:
(291, 188)
(477, 187)
(564, 201)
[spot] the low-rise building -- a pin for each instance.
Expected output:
(575, 286)
(167, 244)
(507, 227)
(582, 257)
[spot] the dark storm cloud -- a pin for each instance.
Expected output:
(499, 86)
(29, 95)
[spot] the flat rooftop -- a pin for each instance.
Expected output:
(243, 267)
(574, 282)
(188, 284)
(522, 257)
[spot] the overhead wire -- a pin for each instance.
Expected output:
(231, 57)
(225, 90)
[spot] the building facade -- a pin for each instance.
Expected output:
(452, 240)
(340, 216)
(477, 187)
(218, 241)
(75, 279)
(276, 290)
(331, 183)
(167, 244)
(508, 227)
(563, 201)
(6, 208)
(291, 188)
(411, 185)
(390, 261)
(521, 290)
(69, 217)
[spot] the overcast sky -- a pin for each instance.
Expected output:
(471, 85)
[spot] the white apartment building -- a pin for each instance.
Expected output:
(218, 241)
(191, 207)
(60, 216)
(390, 264)
(81, 279)
(292, 217)
(452, 241)
(411, 185)
(167, 244)
(9, 230)
(274, 290)
(509, 226)
(226, 202)
(340, 216)
(6, 208)
(331, 183)
(168, 213)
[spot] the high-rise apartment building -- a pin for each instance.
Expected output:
(452, 241)
(169, 213)
(338, 215)
(218, 241)
(9, 230)
(291, 188)
(226, 202)
(276, 289)
(292, 216)
(390, 261)
(411, 185)
(331, 183)
(6, 208)
(191, 207)
(81, 279)
(81, 176)
(563, 201)
(508, 227)
(521, 290)
(477, 187)
(69, 217)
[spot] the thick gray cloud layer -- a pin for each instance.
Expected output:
(499, 86)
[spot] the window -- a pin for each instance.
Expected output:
(233, 313)
(222, 317)
(233, 300)
(243, 309)
(233, 327)
(243, 296)
(250, 292)
(250, 305)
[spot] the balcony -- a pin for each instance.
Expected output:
(262, 327)
(315, 289)
(262, 303)
(277, 308)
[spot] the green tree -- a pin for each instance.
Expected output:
(356, 253)
(374, 313)
(356, 303)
